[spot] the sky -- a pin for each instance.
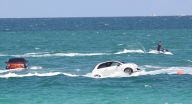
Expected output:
(93, 8)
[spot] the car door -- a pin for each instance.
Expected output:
(105, 69)
(113, 68)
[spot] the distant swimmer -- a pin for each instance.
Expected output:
(159, 46)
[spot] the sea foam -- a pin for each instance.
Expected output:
(49, 54)
(163, 70)
(156, 52)
(129, 51)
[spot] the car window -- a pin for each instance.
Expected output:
(115, 64)
(107, 64)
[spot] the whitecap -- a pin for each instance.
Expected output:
(147, 86)
(70, 75)
(38, 54)
(47, 54)
(9, 75)
(37, 48)
(168, 70)
(129, 51)
(47, 74)
(78, 70)
(3, 71)
(165, 70)
(79, 54)
(2, 54)
(120, 44)
(106, 24)
(189, 60)
(35, 67)
(151, 66)
(12, 74)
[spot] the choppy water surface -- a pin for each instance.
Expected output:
(63, 51)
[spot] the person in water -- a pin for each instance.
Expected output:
(159, 46)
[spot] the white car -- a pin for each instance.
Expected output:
(111, 67)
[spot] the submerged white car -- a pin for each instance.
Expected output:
(111, 67)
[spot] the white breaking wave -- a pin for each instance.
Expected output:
(3, 71)
(79, 54)
(35, 67)
(142, 51)
(71, 75)
(50, 54)
(74, 54)
(151, 67)
(37, 48)
(189, 60)
(130, 51)
(169, 70)
(3, 55)
(47, 54)
(9, 75)
(120, 44)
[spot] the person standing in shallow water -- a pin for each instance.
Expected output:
(159, 46)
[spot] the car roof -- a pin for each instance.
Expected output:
(110, 61)
(107, 62)
(12, 60)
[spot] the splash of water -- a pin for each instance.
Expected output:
(129, 51)
(156, 52)
(48, 54)
(168, 70)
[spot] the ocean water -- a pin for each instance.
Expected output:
(62, 52)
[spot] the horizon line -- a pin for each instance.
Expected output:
(96, 16)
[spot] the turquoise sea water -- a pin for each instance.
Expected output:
(63, 51)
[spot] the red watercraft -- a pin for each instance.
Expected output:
(16, 63)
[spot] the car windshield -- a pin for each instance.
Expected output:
(108, 64)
